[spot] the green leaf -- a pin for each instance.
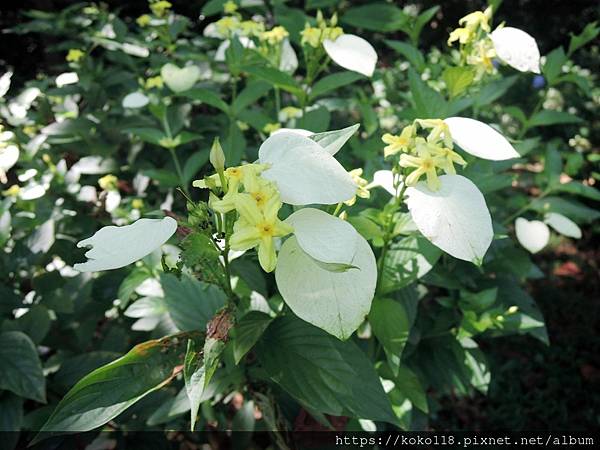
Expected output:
(11, 419)
(250, 94)
(380, 17)
(131, 283)
(458, 79)
(109, 390)
(20, 368)
(247, 332)
(576, 188)
(550, 117)
(407, 382)
(322, 373)
(191, 303)
(408, 260)
(552, 68)
(207, 96)
(410, 52)
(332, 82)
(316, 120)
(391, 326)
(194, 163)
(494, 90)
(428, 102)
(573, 209)
(417, 25)
(151, 135)
(589, 33)
(276, 77)
(234, 145)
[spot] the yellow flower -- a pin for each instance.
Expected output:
(251, 28)
(289, 112)
(108, 182)
(271, 127)
(154, 82)
(143, 20)
(12, 191)
(477, 19)
(400, 143)
(159, 8)
(274, 36)
(227, 24)
(258, 228)
(311, 36)
(75, 55)
(136, 203)
(446, 158)
(362, 191)
(230, 7)
(482, 55)
(425, 164)
(462, 35)
(332, 33)
(439, 131)
(235, 177)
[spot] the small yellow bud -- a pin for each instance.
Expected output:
(143, 20)
(160, 8)
(108, 182)
(137, 203)
(75, 55)
(230, 7)
(271, 128)
(12, 191)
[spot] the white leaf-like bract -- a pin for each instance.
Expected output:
(289, 59)
(333, 141)
(303, 171)
(385, 180)
(67, 78)
(9, 156)
(300, 131)
(180, 79)
(352, 53)
(563, 225)
(114, 247)
(335, 301)
(517, 49)
(324, 237)
(532, 235)
(455, 218)
(480, 139)
(223, 46)
(5, 83)
(135, 100)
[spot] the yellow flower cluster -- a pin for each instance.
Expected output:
(314, 36)
(154, 82)
(108, 182)
(230, 7)
(159, 8)
(75, 55)
(271, 127)
(425, 155)
(476, 46)
(274, 36)
(362, 191)
(143, 20)
(257, 203)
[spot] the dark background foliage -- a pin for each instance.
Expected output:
(534, 386)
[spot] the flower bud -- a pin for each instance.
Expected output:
(217, 157)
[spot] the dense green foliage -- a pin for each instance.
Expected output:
(142, 118)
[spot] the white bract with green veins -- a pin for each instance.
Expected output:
(180, 79)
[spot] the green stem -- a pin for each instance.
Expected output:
(179, 171)
(387, 236)
(520, 211)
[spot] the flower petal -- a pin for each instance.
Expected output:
(533, 235)
(114, 247)
(563, 225)
(517, 49)
(352, 53)
(335, 301)
(324, 237)
(289, 59)
(479, 139)
(304, 172)
(454, 218)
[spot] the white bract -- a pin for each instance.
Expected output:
(517, 49)
(532, 235)
(289, 60)
(385, 180)
(479, 139)
(352, 53)
(335, 301)
(9, 156)
(303, 171)
(135, 100)
(333, 141)
(180, 79)
(222, 48)
(5, 83)
(324, 237)
(114, 247)
(454, 218)
(563, 225)
(67, 78)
